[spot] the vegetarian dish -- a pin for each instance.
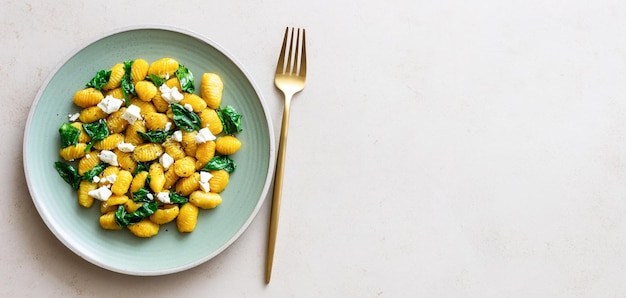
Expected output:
(147, 148)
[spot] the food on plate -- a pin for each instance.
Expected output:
(147, 148)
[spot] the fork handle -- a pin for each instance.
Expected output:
(278, 186)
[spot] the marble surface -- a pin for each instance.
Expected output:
(440, 148)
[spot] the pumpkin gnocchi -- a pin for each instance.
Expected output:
(158, 158)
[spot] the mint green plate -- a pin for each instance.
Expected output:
(169, 251)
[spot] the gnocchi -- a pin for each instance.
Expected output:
(150, 161)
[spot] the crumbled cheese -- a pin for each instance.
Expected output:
(102, 193)
(150, 196)
(166, 160)
(111, 178)
(204, 181)
(73, 117)
(170, 95)
(132, 114)
(177, 136)
(95, 179)
(126, 147)
(108, 157)
(168, 126)
(110, 104)
(205, 176)
(87, 156)
(164, 197)
(204, 135)
(188, 107)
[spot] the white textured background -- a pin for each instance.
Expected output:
(440, 149)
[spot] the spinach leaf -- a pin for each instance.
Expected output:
(142, 166)
(69, 135)
(220, 162)
(155, 136)
(185, 77)
(127, 82)
(122, 218)
(184, 119)
(97, 131)
(231, 120)
(68, 173)
(99, 80)
(141, 195)
(95, 171)
(177, 199)
(156, 80)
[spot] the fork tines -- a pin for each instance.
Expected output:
(294, 48)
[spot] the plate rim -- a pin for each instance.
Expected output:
(60, 235)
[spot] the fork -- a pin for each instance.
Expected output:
(290, 77)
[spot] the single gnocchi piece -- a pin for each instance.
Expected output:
(92, 114)
(196, 102)
(219, 181)
(131, 135)
(73, 152)
(164, 68)
(147, 152)
(145, 90)
(139, 181)
(185, 186)
(88, 97)
(117, 73)
(211, 120)
(144, 229)
(88, 162)
(107, 221)
(185, 166)
(170, 178)
(156, 121)
(115, 122)
(126, 160)
(205, 200)
(139, 70)
(227, 145)
(122, 182)
(84, 199)
(187, 218)
(110, 142)
(174, 149)
(211, 88)
(204, 153)
(112, 203)
(157, 177)
(165, 215)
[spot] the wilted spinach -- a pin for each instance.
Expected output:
(185, 77)
(68, 173)
(127, 81)
(97, 131)
(155, 136)
(177, 199)
(95, 171)
(99, 80)
(231, 119)
(220, 162)
(69, 135)
(122, 218)
(156, 80)
(185, 119)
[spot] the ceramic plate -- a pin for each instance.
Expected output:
(169, 251)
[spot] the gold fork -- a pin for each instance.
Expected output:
(289, 78)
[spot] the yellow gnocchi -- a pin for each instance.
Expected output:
(144, 160)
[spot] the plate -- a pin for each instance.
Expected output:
(169, 251)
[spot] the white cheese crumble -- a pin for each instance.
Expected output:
(110, 104)
(73, 117)
(111, 178)
(108, 157)
(188, 107)
(170, 95)
(150, 196)
(102, 193)
(166, 160)
(132, 114)
(126, 147)
(95, 179)
(164, 197)
(204, 180)
(177, 136)
(204, 135)
(168, 126)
